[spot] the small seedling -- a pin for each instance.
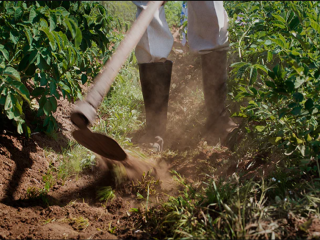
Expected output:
(111, 230)
(79, 223)
(106, 194)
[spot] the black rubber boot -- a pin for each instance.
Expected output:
(214, 76)
(155, 81)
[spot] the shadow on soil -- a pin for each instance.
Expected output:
(22, 160)
(86, 193)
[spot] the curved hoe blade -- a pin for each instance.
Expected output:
(100, 144)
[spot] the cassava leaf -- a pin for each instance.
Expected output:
(50, 37)
(253, 75)
(4, 52)
(13, 73)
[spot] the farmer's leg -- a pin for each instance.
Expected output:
(155, 72)
(156, 43)
(208, 36)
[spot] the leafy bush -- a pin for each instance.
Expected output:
(47, 50)
(278, 73)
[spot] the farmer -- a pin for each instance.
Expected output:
(207, 36)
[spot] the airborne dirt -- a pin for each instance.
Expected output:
(74, 211)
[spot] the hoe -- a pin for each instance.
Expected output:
(84, 112)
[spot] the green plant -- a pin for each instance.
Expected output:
(37, 193)
(88, 162)
(229, 209)
(279, 76)
(106, 194)
(48, 49)
(49, 179)
(111, 229)
(146, 186)
(78, 223)
(173, 11)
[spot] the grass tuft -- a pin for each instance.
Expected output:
(106, 194)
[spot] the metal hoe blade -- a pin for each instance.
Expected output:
(100, 144)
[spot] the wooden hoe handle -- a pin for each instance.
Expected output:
(84, 112)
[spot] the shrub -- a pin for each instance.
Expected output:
(48, 49)
(278, 74)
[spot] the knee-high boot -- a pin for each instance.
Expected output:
(155, 81)
(214, 76)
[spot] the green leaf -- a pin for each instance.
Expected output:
(64, 38)
(84, 78)
(268, 42)
(32, 15)
(43, 23)
(253, 75)
(309, 138)
(280, 25)
(299, 141)
(52, 21)
(261, 67)
(260, 128)
(315, 25)
(53, 102)
(13, 73)
(270, 84)
(134, 210)
(52, 87)
(43, 80)
(294, 23)
(2, 63)
(4, 52)
(238, 64)
(298, 97)
(58, 40)
(279, 42)
(278, 17)
(20, 88)
(283, 40)
(38, 91)
(19, 128)
(289, 86)
(14, 37)
(33, 56)
(296, 111)
(64, 87)
(309, 104)
(78, 38)
(18, 13)
(299, 81)
(242, 69)
(50, 37)
(27, 130)
(63, 11)
(2, 99)
(8, 103)
(47, 108)
(28, 35)
(71, 26)
(139, 196)
(293, 104)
